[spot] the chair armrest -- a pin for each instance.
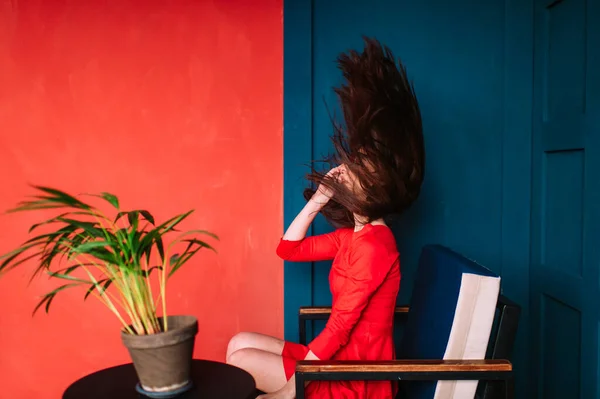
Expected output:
(403, 366)
(405, 370)
(326, 310)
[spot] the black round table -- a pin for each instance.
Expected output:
(211, 380)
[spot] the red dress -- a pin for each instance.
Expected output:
(364, 282)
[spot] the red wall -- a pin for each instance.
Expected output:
(171, 105)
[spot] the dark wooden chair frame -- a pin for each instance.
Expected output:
(496, 371)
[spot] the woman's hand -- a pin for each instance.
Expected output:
(324, 193)
(300, 224)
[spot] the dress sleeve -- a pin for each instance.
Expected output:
(311, 249)
(368, 267)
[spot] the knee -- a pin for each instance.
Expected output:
(239, 357)
(238, 342)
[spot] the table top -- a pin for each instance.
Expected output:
(211, 380)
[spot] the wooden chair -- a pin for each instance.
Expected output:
(418, 369)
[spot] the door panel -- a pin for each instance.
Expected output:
(564, 268)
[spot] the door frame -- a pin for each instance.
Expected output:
(297, 147)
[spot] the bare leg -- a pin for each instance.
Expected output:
(265, 367)
(263, 342)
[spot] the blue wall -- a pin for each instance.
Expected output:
(471, 63)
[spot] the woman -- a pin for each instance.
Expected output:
(381, 156)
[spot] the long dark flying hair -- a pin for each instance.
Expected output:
(380, 141)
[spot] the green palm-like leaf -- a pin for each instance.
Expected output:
(103, 254)
(47, 299)
(101, 286)
(53, 199)
(108, 197)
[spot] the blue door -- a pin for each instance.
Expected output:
(566, 199)
(471, 63)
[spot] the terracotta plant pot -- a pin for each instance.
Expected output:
(163, 361)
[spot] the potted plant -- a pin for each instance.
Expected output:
(115, 258)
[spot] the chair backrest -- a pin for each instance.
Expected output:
(451, 316)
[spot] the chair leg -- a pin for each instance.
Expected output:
(509, 387)
(300, 386)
